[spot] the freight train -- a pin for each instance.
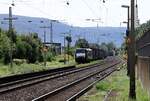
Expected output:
(83, 55)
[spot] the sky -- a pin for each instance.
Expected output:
(76, 13)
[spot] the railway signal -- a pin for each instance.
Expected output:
(69, 40)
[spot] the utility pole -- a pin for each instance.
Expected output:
(132, 93)
(11, 36)
(97, 21)
(64, 48)
(68, 47)
(51, 30)
(44, 27)
(51, 33)
(69, 41)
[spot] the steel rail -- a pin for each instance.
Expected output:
(12, 78)
(84, 90)
(45, 96)
(31, 81)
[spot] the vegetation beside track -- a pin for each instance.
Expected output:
(118, 86)
(6, 70)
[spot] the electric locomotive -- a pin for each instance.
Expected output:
(83, 55)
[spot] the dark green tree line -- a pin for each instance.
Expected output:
(27, 47)
(142, 29)
(82, 43)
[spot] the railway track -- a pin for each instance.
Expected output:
(33, 88)
(33, 78)
(75, 89)
(16, 81)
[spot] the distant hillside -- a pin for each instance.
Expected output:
(92, 34)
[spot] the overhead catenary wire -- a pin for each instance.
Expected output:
(40, 11)
(25, 3)
(92, 11)
(37, 9)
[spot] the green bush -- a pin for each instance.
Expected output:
(41, 56)
(50, 57)
(103, 85)
(24, 47)
(28, 47)
(20, 50)
(4, 47)
(6, 58)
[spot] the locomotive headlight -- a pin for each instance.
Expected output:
(80, 54)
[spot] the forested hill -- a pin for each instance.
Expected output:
(92, 34)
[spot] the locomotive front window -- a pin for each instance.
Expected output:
(80, 51)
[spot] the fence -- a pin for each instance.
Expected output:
(143, 60)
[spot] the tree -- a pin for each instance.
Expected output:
(12, 35)
(104, 47)
(93, 45)
(139, 31)
(4, 47)
(24, 46)
(32, 48)
(82, 43)
(28, 47)
(111, 46)
(21, 50)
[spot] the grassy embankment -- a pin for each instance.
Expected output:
(118, 84)
(5, 70)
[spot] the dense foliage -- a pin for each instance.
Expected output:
(28, 47)
(24, 47)
(4, 47)
(142, 29)
(82, 43)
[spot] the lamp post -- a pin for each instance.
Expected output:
(126, 6)
(127, 35)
